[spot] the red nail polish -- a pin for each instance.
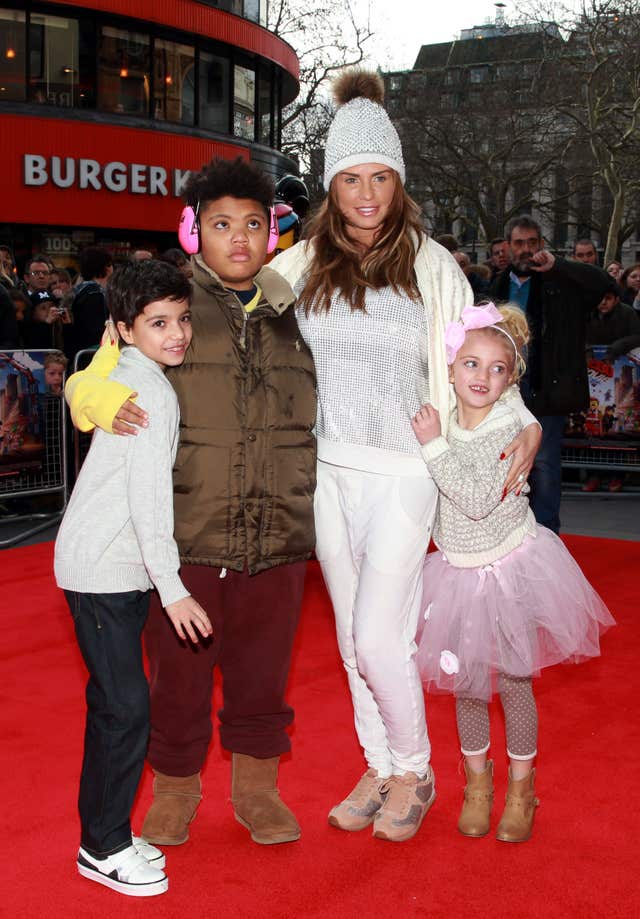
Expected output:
(502, 456)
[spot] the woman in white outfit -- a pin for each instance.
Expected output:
(375, 295)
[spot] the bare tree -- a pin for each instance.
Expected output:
(326, 36)
(478, 154)
(598, 97)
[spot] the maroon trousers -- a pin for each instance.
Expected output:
(254, 622)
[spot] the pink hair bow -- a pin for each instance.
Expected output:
(473, 317)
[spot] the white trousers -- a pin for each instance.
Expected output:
(372, 535)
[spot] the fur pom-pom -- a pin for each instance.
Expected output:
(354, 84)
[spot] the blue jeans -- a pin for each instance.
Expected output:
(545, 479)
(109, 629)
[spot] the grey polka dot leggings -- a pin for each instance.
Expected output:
(520, 715)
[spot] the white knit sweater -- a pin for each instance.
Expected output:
(474, 526)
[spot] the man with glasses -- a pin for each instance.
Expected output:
(37, 277)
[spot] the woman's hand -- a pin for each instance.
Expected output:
(426, 424)
(129, 418)
(523, 449)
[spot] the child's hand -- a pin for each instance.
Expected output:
(426, 424)
(186, 613)
(130, 417)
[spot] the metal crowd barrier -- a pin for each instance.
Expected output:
(81, 439)
(33, 455)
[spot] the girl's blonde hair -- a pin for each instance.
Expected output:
(514, 323)
(338, 262)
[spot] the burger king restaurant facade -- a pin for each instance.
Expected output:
(105, 108)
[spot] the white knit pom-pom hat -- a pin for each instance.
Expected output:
(361, 131)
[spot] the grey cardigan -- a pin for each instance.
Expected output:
(117, 533)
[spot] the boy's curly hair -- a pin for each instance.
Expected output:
(236, 178)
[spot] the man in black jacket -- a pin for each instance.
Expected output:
(89, 304)
(614, 324)
(557, 296)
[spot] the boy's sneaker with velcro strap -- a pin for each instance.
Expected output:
(127, 872)
(152, 854)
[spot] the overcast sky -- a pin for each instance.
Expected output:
(403, 26)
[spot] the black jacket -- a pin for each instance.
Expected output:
(619, 329)
(89, 308)
(560, 302)
(8, 322)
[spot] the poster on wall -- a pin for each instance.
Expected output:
(614, 399)
(23, 396)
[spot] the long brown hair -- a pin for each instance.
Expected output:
(338, 262)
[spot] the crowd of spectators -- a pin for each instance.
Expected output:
(48, 308)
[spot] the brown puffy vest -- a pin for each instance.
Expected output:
(245, 473)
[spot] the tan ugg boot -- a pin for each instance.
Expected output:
(478, 798)
(257, 803)
(516, 823)
(175, 801)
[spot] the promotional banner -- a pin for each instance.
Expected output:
(614, 399)
(24, 394)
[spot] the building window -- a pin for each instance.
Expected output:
(478, 74)
(252, 10)
(277, 112)
(452, 76)
(173, 88)
(231, 6)
(12, 55)
(213, 112)
(123, 72)
(244, 102)
(54, 60)
(264, 105)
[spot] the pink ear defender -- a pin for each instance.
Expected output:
(274, 232)
(189, 230)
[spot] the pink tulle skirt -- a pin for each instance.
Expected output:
(531, 609)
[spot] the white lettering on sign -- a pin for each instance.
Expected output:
(35, 170)
(89, 174)
(114, 176)
(69, 172)
(180, 179)
(157, 180)
(136, 178)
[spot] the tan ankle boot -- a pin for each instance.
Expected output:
(175, 801)
(516, 823)
(257, 803)
(478, 798)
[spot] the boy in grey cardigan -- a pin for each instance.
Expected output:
(115, 543)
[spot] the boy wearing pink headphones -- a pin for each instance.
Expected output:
(244, 480)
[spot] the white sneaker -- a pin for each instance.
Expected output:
(153, 855)
(127, 871)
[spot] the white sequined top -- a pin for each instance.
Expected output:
(372, 371)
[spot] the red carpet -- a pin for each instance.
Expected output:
(581, 862)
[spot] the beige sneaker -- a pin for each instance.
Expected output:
(407, 800)
(361, 806)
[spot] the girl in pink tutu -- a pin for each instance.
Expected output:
(503, 597)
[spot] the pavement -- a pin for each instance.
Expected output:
(610, 516)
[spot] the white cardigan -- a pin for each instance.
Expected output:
(445, 292)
